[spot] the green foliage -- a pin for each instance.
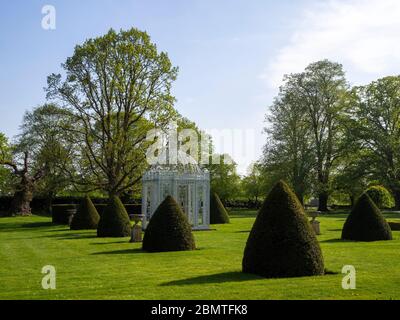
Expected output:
(281, 243)
(45, 134)
(306, 129)
(351, 178)
(6, 178)
(288, 154)
(5, 149)
(366, 222)
(118, 86)
(218, 213)
(114, 221)
(168, 229)
(224, 178)
(86, 216)
(376, 124)
(254, 183)
(380, 196)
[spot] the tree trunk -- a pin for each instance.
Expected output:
(352, 200)
(323, 202)
(21, 202)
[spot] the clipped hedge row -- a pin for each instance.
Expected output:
(394, 225)
(41, 204)
(242, 204)
(61, 215)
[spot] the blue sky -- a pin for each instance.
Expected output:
(232, 54)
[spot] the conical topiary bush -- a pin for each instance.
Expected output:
(366, 222)
(282, 243)
(86, 216)
(114, 221)
(218, 213)
(168, 229)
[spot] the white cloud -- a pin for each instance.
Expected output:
(364, 35)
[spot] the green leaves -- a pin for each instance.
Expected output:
(376, 125)
(5, 149)
(117, 86)
(306, 131)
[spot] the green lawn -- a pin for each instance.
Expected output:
(96, 268)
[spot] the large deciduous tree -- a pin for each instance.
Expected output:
(319, 94)
(26, 174)
(117, 86)
(288, 153)
(323, 90)
(43, 134)
(376, 125)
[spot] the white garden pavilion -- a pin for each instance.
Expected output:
(186, 182)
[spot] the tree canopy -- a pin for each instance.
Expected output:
(117, 87)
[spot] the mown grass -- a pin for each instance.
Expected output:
(96, 268)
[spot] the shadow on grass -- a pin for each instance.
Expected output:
(111, 242)
(214, 278)
(330, 272)
(126, 251)
(70, 236)
(43, 224)
(23, 226)
(334, 241)
(57, 230)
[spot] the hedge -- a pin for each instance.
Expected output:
(168, 229)
(366, 222)
(282, 243)
(114, 221)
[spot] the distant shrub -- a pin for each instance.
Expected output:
(114, 221)
(281, 243)
(381, 197)
(86, 216)
(130, 208)
(394, 225)
(366, 222)
(168, 229)
(218, 213)
(243, 204)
